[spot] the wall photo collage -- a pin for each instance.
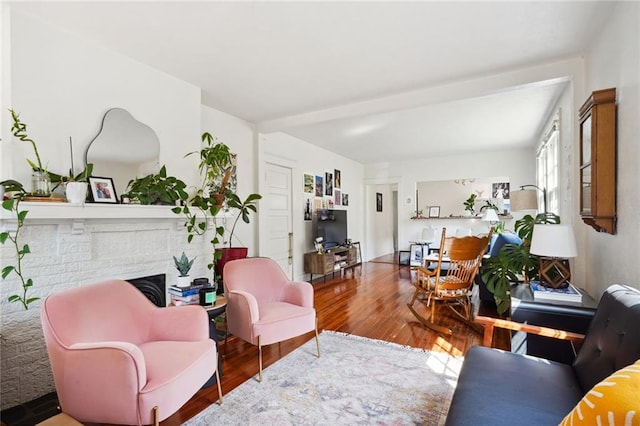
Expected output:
(323, 192)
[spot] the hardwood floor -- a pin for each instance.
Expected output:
(371, 304)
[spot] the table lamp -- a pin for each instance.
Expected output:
(554, 244)
(490, 216)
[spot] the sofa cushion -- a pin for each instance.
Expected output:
(501, 388)
(612, 401)
(502, 239)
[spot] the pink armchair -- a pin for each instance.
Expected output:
(264, 306)
(119, 359)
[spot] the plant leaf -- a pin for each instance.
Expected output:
(7, 270)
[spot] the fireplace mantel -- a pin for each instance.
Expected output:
(47, 210)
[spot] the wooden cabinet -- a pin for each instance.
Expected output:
(598, 161)
(332, 260)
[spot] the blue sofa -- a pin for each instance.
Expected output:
(502, 388)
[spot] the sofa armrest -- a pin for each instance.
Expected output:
(490, 323)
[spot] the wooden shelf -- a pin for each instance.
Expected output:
(458, 218)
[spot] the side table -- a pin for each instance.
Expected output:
(563, 315)
(217, 309)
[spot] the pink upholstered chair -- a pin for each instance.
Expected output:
(119, 359)
(264, 306)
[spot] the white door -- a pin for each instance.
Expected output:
(276, 205)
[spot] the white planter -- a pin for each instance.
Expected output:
(76, 192)
(184, 281)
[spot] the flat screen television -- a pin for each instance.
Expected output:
(331, 225)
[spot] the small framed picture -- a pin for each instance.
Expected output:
(378, 201)
(434, 211)
(102, 190)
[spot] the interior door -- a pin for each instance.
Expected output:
(279, 225)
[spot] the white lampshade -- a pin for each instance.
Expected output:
(490, 215)
(524, 199)
(553, 241)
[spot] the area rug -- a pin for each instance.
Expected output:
(356, 381)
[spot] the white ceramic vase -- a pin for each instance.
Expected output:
(184, 282)
(76, 192)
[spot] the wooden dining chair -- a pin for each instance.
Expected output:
(450, 282)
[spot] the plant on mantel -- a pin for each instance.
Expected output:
(12, 203)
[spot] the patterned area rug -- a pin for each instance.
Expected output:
(356, 381)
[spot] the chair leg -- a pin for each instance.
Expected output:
(220, 400)
(317, 340)
(156, 422)
(226, 336)
(259, 360)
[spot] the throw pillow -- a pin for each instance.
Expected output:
(613, 401)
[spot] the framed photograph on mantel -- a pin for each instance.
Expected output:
(434, 211)
(102, 190)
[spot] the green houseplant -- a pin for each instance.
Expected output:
(216, 162)
(244, 209)
(215, 170)
(183, 265)
(514, 260)
(156, 188)
(469, 204)
(12, 204)
(41, 181)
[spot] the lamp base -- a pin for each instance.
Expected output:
(554, 272)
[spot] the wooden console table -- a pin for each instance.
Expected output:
(334, 259)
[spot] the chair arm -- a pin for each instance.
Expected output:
(105, 368)
(425, 271)
(180, 323)
(243, 304)
(298, 293)
(490, 323)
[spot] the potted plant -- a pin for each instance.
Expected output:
(41, 182)
(244, 209)
(156, 189)
(75, 186)
(469, 205)
(183, 265)
(513, 260)
(215, 166)
(215, 169)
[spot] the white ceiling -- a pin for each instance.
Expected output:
(353, 76)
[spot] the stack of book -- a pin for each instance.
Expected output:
(567, 294)
(185, 295)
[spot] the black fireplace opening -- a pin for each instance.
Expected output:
(152, 286)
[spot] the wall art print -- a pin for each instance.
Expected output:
(308, 184)
(336, 179)
(345, 199)
(319, 186)
(328, 183)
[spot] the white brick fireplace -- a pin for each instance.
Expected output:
(72, 246)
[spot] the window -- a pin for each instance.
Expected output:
(548, 172)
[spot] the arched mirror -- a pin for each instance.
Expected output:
(123, 149)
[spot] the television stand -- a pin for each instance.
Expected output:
(332, 260)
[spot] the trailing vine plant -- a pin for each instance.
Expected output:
(12, 204)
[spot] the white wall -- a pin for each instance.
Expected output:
(613, 61)
(62, 85)
(518, 165)
(379, 225)
(306, 158)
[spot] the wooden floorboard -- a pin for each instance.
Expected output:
(371, 304)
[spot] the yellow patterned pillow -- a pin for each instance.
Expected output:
(613, 401)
